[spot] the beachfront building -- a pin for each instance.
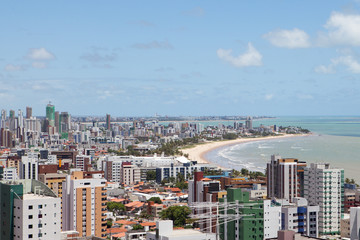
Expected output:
(285, 177)
(299, 217)
(324, 186)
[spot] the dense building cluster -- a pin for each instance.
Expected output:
(66, 179)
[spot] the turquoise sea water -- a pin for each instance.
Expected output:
(335, 140)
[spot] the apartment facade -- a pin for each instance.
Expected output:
(324, 186)
(285, 177)
(300, 217)
(37, 217)
(84, 204)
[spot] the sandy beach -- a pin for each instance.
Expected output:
(198, 152)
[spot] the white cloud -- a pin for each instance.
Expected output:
(349, 61)
(343, 29)
(13, 68)
(40, 54)
(269, 97)
(294, 38)
(250, 58)
(40, 65)
(325, 69)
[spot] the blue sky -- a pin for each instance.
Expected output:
(138, 58)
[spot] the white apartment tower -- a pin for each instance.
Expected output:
(324, 186)
(29, 167)
(37, 216)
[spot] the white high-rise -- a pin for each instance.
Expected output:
(324, 186)
(37, 217)
(29, 167)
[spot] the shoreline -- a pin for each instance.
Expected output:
(198, 152)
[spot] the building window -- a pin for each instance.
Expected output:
(30, 236)
(30, 216)
(30, 207)
(40, 206)
(30, 226)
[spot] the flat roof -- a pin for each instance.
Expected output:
(32, 196)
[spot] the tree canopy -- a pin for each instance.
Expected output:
(115, 207)
(178, 214)
(155, 200)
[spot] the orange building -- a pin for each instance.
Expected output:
(84, 204)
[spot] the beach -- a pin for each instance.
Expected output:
(198, 152)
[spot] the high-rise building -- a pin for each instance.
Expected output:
(12, 114)
(248, 123)
(324, 186)
(130, 173)
(248, 217)
(204, 190)
(108, 119)
(29, 167)
(300, 217)
(84, 204)
(285, 177)
(28, 112)
(29, 210)
(82, 162)
(50, 114)
(64, 122)
(57, 122)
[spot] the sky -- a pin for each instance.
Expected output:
(181, 58)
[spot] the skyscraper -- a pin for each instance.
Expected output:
(324, 186)
(108, 118)
(64, 122)
(285, 177)
(57, 122)
(248, 123)
(28, 112)
(50, 114)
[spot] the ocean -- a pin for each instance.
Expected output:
(336, 140)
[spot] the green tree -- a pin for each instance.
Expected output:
(155, 200)
(109, 223)
(151, 175)
(115, 207)
(178, 214)
(244, 171)
(144, 214)
(137, 227)
(229, 136)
